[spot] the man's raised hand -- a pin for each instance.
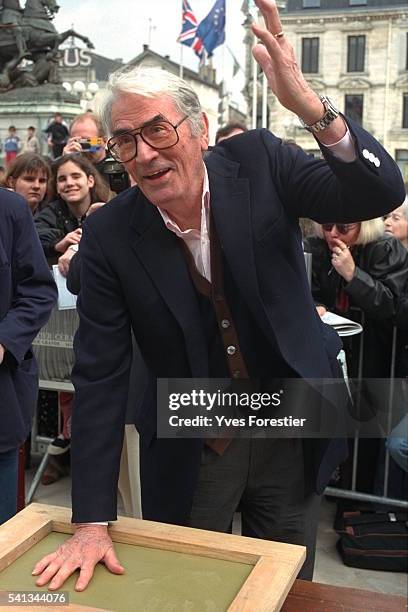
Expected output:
(277, 59)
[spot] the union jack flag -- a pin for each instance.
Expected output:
(189, 26)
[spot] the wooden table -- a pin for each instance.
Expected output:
(315, 597)
(167, 566)
(266, 569)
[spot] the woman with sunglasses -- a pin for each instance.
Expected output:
(359, 272)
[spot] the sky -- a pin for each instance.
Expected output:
(119, 28)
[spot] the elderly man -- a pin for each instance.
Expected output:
(204, 263)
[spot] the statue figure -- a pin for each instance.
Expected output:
(11, 15)
(31, 34)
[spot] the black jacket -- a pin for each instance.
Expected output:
(380, 275)
(27, 295)
(53, 223)
(401, 320)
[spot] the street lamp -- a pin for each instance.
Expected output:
(79, 87)
(93, 88)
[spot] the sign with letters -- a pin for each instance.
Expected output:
(73, 57)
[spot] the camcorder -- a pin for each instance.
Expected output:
(115, 173)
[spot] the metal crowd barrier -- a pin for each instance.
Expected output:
(353, 493)
(55, 357)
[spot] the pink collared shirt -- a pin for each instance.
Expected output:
(197, 241)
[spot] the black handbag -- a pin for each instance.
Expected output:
(374, 540)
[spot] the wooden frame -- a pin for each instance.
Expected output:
(276, 565)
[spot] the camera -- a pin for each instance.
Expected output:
(91, 145)
(115, 173)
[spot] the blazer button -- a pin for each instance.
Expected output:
(231, 350)
(225, 324)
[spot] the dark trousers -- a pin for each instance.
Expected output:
(57, 149)
(265, 479)
(8, 484)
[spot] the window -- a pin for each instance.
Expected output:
(311, 3)
(357, 2)
(356, 53)
(310, 55)
(353, 107)
(401, 157)
(405, 111)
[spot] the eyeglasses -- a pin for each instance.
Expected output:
(158, 135)
(342, 228)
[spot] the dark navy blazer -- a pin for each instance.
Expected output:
(134, 274)
(27, 295)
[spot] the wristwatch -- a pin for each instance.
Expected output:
(330, 114)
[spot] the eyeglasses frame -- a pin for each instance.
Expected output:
(138, 132)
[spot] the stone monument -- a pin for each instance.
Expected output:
(30, 85)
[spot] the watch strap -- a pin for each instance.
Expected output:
(330, 114)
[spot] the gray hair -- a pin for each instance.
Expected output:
(151, 83)
(404, 208)
(369, 231)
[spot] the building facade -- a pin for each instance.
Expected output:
(356, 52)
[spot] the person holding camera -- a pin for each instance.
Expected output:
(86, 136)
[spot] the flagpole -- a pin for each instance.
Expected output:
(181, 68)
(254, 91)
(264, 101)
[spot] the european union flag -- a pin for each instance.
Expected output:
(211, 30)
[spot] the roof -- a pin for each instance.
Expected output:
(294, 6)
(171, 66)
(104, 66)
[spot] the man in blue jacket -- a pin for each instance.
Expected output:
(27, 295)
(203, 261)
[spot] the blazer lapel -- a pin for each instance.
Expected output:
(160, 254)
(231, 207)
